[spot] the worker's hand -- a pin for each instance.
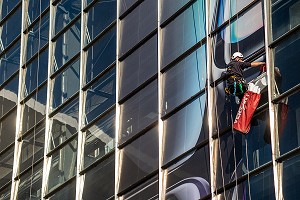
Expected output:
(263, 68)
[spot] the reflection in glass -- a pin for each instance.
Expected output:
(67, 192)
(139, 159)
(7, 6)
(30, 186)
(183, 32)
(35, 8)
(66, 84)
(169, 7)
(63, 165)
(101, 55)
(100, 96)
(8, 130)
(102, 14)
(138, 67)
(182, 132)
(184, 80)
(6, 167)
(137, 25)
(125, 4)
(138, 112)
(64, 123)
(100, 139)
(99, 182)
(290, 180)
(5, 193)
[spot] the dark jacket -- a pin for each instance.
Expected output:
(235, 71)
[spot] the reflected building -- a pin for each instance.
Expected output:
(124, 99)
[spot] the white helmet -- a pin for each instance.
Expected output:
(236, 54)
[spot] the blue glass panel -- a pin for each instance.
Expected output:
(125, 4)
(7, 6)
(6, 160)
(291, 178)
(183, 32)
(8, 130)
(169, 7)
(35, 8)
(8, 96)
(67, 192)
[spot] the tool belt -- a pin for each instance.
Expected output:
(239, 87)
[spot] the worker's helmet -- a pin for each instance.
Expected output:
(236, 54)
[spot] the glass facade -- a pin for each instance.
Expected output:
(124, 99)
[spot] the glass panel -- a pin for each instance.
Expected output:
(139, 112)
(8, 96)
(181, 131)
(125, 4)
(147, 190)
(285, 16)
(36, 73)
(32, 147)
(100, 139)
(287, 59)
(139, 159)
(169, 7)
(63, 165)
(67, 192)
(35, 8)
(66, 84)
(7, 6)
(9, 62)
(183, 32)
(66, 11)
(64, 123)
(66, 46)
(5, 193)
(291, 177)
(102, 14)
(10, 29)
(189, 178)
(137, 25)
(138, 67)
(99, 182)
(38, 36)
(101, 55)
(184, 80)
(100, 96)
(8, 130)
(6, 167)
(30, 186)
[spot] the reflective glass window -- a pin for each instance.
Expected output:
(7, 6)
(285, 16)
(99, 182)
(32, 147)
(35, 8)
(36, 73)
(66, 11)
(102, 14)
(137, 25)
(139, 159)
(30, 186)
(184, 80)
(100, 96)
(66, 84)
(8, 96)
(34, 109)
(63, 165)
(9, 62)
(38, 36)
(125, 4)
(66, 46)
(181, 131)
(189, 178)
(8, 130)
(6, 167)
(67, 192)
(100, 139)
(64, 123)
(290, 178)
(101, 55)
(183, 32)
(5, 193)
(138, 67)
(139, 112)
(169, 7)
(11, 28)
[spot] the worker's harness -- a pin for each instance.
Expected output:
(239, 84)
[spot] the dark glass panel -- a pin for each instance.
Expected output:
(125, 4)
(5, 193)
(66, 11)
(139, 159)
(30, 186)
(139, 112)
(100, 139)
(101, 55)
(8, 130)
(137, 25)
(138, 67)
(66, 84)
(99, 182)
(183, 32)
(63, 165)
(291, 178)
(67, 192)
(7, 6)
(64, 123)
(8, 96)
(9, 62)
(32, 147)
(169, 7)
(182, 132)
(184, 80)
(102, 14)
(6, 167)
(35, 8)
(189, 178)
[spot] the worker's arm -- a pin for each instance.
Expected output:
(256, 64)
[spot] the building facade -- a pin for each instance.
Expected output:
(124, 99)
